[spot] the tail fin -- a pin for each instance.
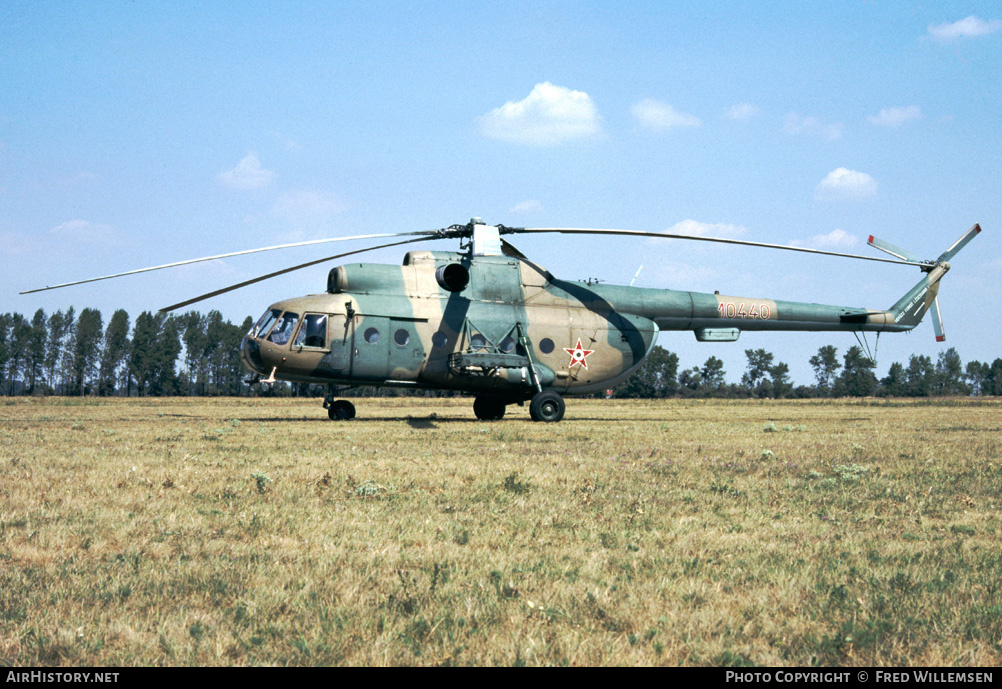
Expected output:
(909, 309)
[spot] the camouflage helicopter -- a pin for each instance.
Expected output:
(489, 322)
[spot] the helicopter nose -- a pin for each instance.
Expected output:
(250, 351)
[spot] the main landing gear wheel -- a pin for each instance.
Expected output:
(488, 408)
(547, 406)
(341, 410)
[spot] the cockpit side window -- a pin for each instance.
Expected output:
(264, 324)
(283, 330)
(313, 331)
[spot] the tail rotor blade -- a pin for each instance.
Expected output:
(892, 250)
(961, 243)
(937, 321)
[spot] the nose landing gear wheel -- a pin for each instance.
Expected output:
(547, 406)
(341, 410)
(488, 408)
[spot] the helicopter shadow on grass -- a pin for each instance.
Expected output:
(417, 422)
(429, 422)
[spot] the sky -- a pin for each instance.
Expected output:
(137, 134)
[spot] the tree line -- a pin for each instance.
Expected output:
(65, 353)
(851, 375)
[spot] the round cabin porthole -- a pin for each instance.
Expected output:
(401, 337)
(546, 345)
(440, 339)
(507, 345)
(478, 341)
(371, 335)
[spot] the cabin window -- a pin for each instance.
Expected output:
(440, 339)
(546, 345)
(507, 344)
(313, 331)
(371, 335)
(478, 341)
(283, 330)
(261, 328)
(401, 337)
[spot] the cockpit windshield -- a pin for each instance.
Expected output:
(264, 324)
(283, 331)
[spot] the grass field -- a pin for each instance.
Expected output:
(254, 531)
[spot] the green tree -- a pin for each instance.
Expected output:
(5, 348)
(86, 349)
(18, 339)
(993, 381)
(893, 385)
(757, 376)
(36, 350)
(780, 375)
(57, 330)
(140, 362)
(920, 376)
(166, 349)
(950, 374)
(712, 374)
(114, 352)
(66, 352)
(195, 340)
(976, 375)
(857, 378)
(826, 365)
(690, 381)
(656, 377)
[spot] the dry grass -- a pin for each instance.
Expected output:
(177, 532)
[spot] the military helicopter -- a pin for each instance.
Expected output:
(489, 322)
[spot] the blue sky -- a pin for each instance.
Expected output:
(134, 134)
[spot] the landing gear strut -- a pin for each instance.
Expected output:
(488, 408)
(547, 406)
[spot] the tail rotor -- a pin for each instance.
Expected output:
(925, 295)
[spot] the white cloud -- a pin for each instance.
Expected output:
(842, 183)
(306, 207)
(17, 244)
(742, 111)
(549, 115)
(248, 174)
(653, 114)
(895, 117)
(526, 207)
(796, 123)
(965, 28)
(833, 241)
(86, 232)
(694, 228)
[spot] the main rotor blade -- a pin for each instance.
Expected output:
(245, 283)
(665, 235)
(434, 233)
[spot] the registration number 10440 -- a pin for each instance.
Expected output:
(743, 310)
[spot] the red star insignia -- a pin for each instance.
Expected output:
(579, 355)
